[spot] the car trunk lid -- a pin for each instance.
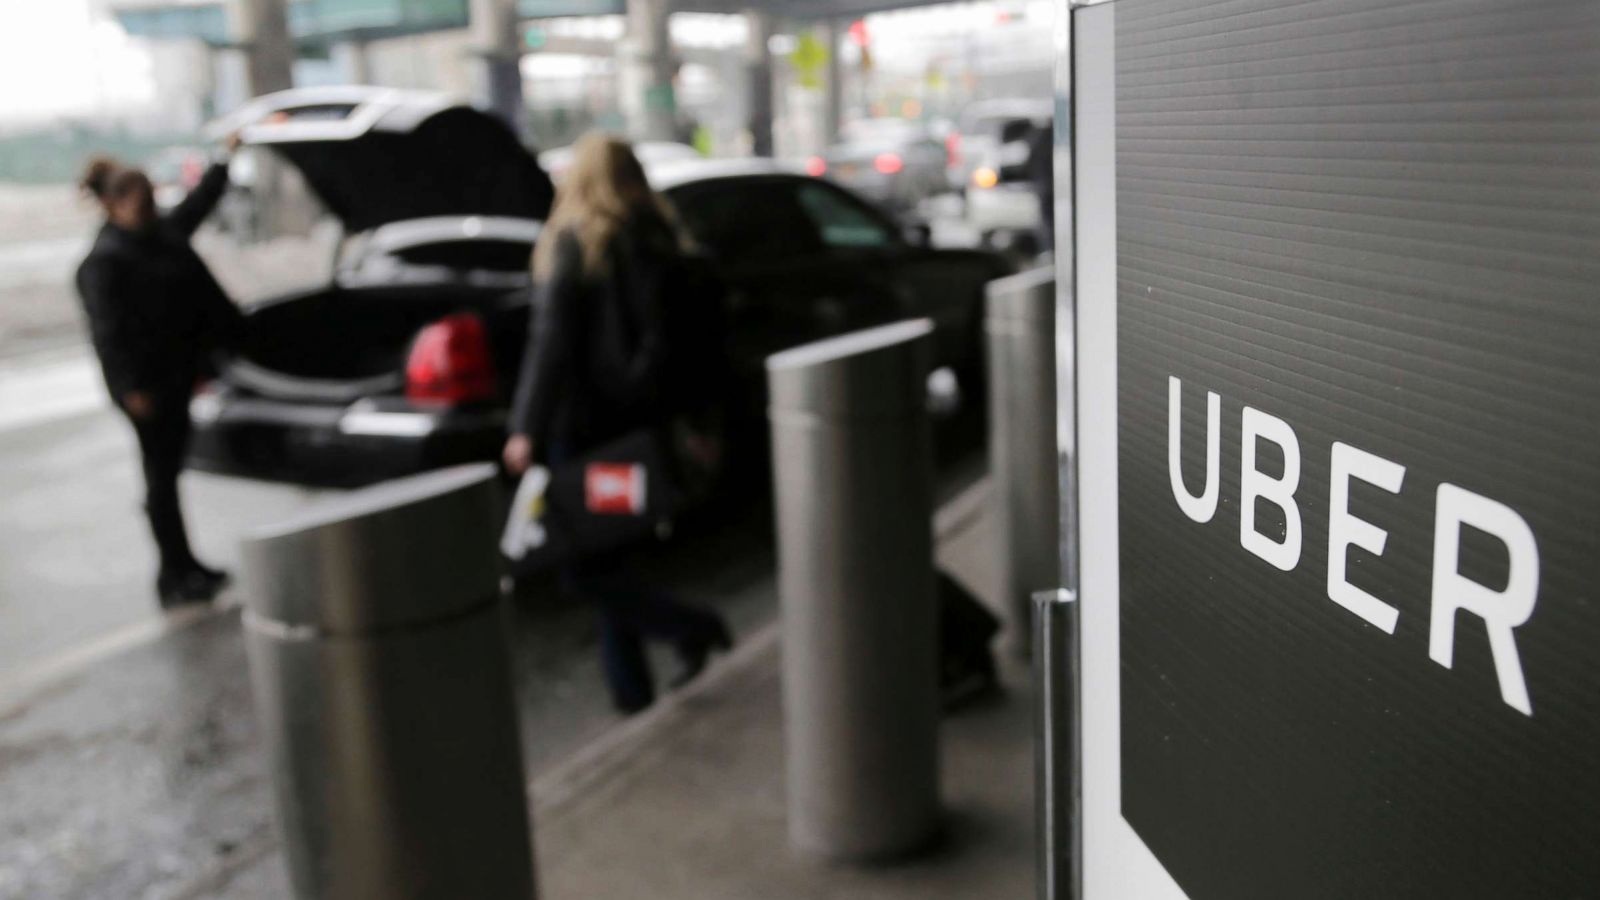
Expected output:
(389, 159)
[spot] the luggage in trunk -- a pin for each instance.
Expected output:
(339, 345)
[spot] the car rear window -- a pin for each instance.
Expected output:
(490, 256)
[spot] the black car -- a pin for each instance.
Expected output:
(407, 360)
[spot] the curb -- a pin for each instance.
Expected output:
(621, 746)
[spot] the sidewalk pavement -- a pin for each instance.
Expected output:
(687, 800)
(683, 801)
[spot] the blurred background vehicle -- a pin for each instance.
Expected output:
(391, 368)
(476, 251)
(650, 153)
(896, 163)
(405, 362)
(805, 259)
(1002, 200)
(978, 133)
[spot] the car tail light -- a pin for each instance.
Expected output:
(888, 163)
(985, 177)
(816, 167)
(450, 363)
(952, 149)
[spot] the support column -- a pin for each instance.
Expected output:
(758, 80)
(497, 48)
(833, 102)
(351, 59)
(261, 29)
(649, 100)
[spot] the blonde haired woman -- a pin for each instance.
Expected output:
(603, 266)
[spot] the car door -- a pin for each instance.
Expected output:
(803, 260)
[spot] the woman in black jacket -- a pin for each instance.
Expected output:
(155, 313)
(603, 266)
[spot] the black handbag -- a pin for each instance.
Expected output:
(626, 492)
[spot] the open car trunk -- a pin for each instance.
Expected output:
(339, 345)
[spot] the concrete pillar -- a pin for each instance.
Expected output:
(649, 100)
(261, 29)
(833, 102)
(351, 59)
(497, 69)
(758, 81)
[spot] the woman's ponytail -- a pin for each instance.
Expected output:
(98, 175)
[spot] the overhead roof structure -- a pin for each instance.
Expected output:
(321, 22)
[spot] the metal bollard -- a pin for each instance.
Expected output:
(1023, 459)
(854, 476)
(1057, 752)
(382, 680)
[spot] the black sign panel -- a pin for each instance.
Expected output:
(1358, 407)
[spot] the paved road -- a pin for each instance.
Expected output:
(129, 763)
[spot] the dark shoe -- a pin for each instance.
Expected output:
(218, 578)
(630, 707)
(186, 589)
(695, 654)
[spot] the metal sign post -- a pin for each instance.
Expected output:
(1332, 350)
(1020, 324)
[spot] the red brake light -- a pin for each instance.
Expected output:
(816, 167)
(450, 363)
(888, 163)
(952, 149)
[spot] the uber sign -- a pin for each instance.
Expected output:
(1338, 376)
(1502, 610)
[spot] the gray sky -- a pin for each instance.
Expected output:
(55, 61)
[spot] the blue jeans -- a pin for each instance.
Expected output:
(632, 612)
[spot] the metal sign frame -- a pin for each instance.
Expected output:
(1092, 849)
(1112, 861)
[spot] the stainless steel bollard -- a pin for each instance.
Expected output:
(1023, 459)
(383, 689)
(854, 472)
(1057, 751)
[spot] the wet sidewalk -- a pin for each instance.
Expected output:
(142, 777)
(687, 802)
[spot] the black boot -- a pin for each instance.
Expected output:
(697, 652)
(219, 578)
(187, 588)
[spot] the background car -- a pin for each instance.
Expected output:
(476, 251)
(405, 361)
(978, 133)
(805, 259)
(396, 372)
(1002, 202)
(895, 163)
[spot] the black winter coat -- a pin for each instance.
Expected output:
(155, 311)
(632, 346)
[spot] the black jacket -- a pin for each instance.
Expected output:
(634, 345)
(155, 311)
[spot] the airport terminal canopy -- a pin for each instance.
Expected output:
(330, 21)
